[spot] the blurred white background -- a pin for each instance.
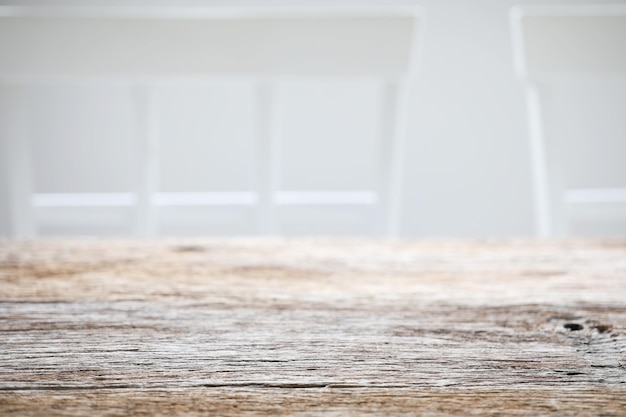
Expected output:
(467, 167)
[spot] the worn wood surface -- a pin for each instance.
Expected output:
(317, 327)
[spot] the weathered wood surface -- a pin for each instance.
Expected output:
(317, 327)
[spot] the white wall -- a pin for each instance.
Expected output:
(467, 168)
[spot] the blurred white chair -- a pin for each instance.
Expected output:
(551, 42)
(148, 45)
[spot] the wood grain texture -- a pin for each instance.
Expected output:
(312, 327)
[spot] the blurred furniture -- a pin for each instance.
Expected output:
(147, 45)
(310, 327)
(557, 42)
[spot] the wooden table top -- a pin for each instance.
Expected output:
(312, 327)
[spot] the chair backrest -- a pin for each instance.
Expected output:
(152, 44)
(556, 43)
(192, 42)
(569, 41)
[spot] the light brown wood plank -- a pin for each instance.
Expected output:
(319, 327)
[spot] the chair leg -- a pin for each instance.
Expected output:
(145, 100)
(268, 155)
(16, 159)
(393, 138)
(547, 171)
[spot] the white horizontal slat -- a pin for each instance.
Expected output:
(215, 198)
(83, 199)
(596, 195)
(326, 197)
(223, 198)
